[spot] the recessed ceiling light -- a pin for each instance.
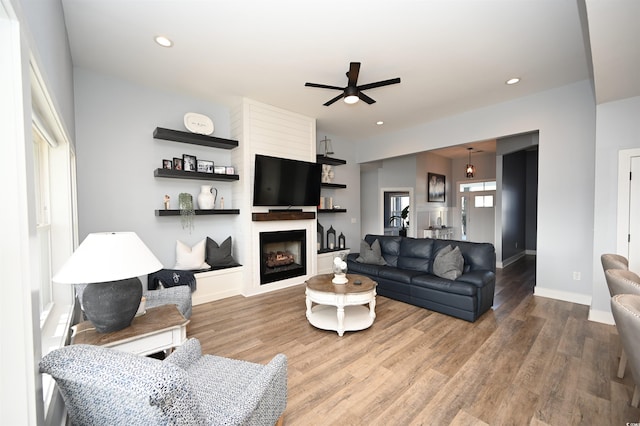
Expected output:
(511, 81)
(380, 123)
(163, 41)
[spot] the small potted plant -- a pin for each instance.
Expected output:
(404, 222)
(187, 213)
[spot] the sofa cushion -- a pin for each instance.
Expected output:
(477, 256)
(389, 245)
(370, 254)
(448, 263)
(354, 267)
(445, 285)
(416, 254)
(400, 275)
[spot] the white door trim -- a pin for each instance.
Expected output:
(624, 185)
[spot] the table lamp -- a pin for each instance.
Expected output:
(110, 263)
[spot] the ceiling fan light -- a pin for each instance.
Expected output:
(351, 99)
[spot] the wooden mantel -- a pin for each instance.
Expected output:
(283, 215)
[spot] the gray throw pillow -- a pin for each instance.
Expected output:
(371, 254)
(448, 263)
(219, 256)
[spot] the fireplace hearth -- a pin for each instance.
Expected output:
(283, 255)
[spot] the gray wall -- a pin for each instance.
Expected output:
(531, 202)
(117, 156)
(513, 204)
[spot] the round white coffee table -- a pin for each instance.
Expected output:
(339, 307)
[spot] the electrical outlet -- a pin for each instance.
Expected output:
(353, 220)
(576, 276)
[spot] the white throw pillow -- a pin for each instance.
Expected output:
(189, 258)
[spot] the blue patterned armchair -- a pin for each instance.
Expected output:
(103, 386)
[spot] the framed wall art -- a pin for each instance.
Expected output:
(188, 163)
(435, 188)
(205, 166)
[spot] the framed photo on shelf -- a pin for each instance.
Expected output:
(220, 170)
(205, 166)
(177, 163)
(189, 163)
(167, 164)
(435, 188)
(230, 170)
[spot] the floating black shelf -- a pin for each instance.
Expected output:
(328, 250)
(174, 212)
(332, 210)
(333, 185)
(321, 159)
(181, 174)
(194, 138)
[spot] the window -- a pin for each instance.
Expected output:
(478, 186)
(483, 201)
(43, 219)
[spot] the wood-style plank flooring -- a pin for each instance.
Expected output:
(529, 361)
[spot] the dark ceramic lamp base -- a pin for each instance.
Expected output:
(111, 306)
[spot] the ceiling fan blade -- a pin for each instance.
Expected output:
(366, 98)
(379, 84)
(323, 86)
(354, 70)
(341, 95)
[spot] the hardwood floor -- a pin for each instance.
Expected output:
(531, 360)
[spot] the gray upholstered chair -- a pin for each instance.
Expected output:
(620, 281)
(626, 312)
(614, 261)
(102, 386)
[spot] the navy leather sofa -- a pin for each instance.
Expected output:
(408, 275)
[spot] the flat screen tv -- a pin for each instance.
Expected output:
(281, 182)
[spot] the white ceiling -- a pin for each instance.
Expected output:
(452, 55)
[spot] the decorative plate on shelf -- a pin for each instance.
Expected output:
(198, 123)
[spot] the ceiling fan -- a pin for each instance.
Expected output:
(352, 93)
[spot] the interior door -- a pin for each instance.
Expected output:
(479, 217)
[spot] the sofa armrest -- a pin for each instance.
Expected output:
(478, 278)
(186, 354)
(265, 399)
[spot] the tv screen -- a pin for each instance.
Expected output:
(285, 182)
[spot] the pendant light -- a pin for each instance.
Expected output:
(470, 169)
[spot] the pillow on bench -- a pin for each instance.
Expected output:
(190, 258)
(219, 256)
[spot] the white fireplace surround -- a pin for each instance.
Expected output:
(253, 286)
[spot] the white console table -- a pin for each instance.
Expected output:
(445, 233)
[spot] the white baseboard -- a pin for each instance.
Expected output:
(510, 260)
(581, 299)
(604, 317)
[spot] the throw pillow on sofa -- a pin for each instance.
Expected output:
(219, 256)
(448, 263)
(371, 254)
(190, 258)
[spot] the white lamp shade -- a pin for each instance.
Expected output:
(108, 256)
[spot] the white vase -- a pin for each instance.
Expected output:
(206, 197)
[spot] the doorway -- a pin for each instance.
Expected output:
(477, 211)
(392, 202)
